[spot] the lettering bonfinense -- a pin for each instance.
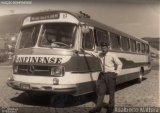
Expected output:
(44, 60)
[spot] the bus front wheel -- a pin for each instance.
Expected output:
(140, 76)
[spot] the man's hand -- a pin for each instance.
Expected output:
(117, 72)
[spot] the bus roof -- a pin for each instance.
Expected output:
(86, 19)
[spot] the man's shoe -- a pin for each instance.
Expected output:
(95, 110)
(105, 105)
(110, 110)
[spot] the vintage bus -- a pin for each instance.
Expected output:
(57, 51)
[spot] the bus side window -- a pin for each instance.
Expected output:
(101, 36)
(88, 40)
(115, 41)
(143, 47)
(138, 47)
(133, 45)
(147, 48)
(125, 43)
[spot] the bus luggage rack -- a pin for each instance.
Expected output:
(34, 70)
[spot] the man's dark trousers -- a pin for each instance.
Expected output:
(106, 84)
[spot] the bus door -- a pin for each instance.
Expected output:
(91, 59)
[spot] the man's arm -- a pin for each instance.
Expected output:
(118, 63)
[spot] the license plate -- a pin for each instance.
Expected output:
(25, 86)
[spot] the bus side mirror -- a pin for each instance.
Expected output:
(85, 28)
(10, 48)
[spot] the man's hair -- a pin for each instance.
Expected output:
(104, 44)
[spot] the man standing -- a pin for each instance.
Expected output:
(111, 66)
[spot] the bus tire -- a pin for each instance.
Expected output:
(140, 75)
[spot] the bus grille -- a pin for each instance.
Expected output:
(34, 70)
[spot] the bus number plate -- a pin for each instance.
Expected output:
(25, 86)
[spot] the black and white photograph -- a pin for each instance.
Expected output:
(79, 56)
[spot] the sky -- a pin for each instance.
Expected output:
(140, 18)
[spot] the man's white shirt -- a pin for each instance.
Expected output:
(109, 61)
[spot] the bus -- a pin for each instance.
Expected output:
(56, 52)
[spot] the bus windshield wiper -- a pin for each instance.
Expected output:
(58, 44)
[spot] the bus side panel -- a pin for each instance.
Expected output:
(132, 64)
(83, 64)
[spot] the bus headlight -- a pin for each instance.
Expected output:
(57, 71)
(15, 69)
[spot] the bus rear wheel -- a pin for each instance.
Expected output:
(140, 76)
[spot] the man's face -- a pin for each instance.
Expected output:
(104, 49)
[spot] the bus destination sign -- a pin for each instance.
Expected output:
(45, 17)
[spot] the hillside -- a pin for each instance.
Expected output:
(154, 42)
(10, 23)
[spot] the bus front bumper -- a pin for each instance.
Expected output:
(67, 88)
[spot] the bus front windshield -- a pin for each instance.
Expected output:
(58, 35)
(53, 35)
(28, 37)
